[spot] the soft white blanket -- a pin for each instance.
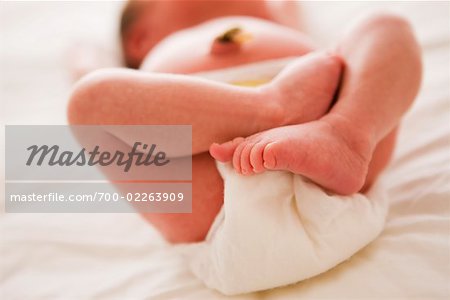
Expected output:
(276, 228)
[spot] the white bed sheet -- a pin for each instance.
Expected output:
(118, 256)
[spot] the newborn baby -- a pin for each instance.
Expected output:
(289, 123)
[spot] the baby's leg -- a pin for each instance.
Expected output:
(216, 111)
(207, 200)
(207, 190)
(380, 82)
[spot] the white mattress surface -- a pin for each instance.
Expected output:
(118, 256)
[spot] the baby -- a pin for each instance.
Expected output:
(371, 76)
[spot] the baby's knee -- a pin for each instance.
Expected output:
(397, 34)
(389, 19)
(385, 22)
(391, 31)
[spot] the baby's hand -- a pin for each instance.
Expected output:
(329, 155)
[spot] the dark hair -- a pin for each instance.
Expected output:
(130, 13)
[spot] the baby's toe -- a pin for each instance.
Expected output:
(283, 155)
(224, 152)
(237, 157)
(273, 156)
(246, 167)
(256, 157)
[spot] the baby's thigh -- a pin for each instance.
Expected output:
(207, 200)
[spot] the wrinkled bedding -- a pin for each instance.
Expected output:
(277, 228)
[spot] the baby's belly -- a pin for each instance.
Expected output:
(195, 49)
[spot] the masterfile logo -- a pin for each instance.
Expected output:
(98, 168)
(140, 154)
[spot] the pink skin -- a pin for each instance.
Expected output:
(201, 53)
(158, 19)
(216, 111)
(345, 150)
(337, 151)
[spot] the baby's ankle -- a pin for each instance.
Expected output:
(357, 137)
(272, 111)
(305, 88)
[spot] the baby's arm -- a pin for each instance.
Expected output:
(355, 139)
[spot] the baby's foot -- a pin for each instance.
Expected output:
(317, 150)
(305, 89)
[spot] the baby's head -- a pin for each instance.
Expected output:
(144, 23)
(225, 42)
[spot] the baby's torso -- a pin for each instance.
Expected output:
(248, 41)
